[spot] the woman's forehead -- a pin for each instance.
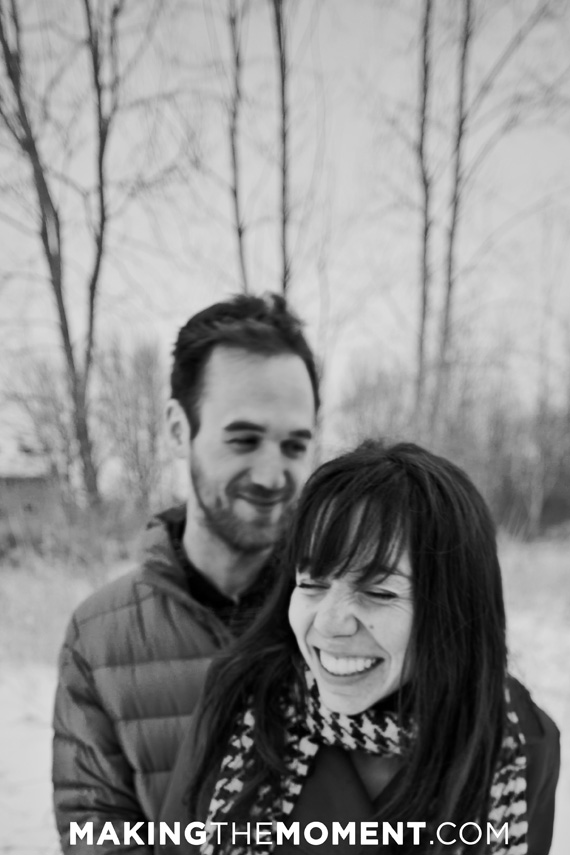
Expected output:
(358, 559)
(333, 517)
(362, 539)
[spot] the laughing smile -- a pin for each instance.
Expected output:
(343, 666)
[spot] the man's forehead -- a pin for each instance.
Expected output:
(241, 386)
(237, 371)
(228, 358)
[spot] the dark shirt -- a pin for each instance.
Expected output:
(235, 614)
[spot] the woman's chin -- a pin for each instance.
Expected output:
(343, 701)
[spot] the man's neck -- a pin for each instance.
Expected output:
(231, 572)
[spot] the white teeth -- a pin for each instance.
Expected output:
(343, 665)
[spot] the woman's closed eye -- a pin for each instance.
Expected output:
(381, 594)
(305, 583)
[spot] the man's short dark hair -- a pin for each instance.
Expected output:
(262, 325)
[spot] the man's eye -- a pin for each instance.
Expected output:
(244, 442)
(294, 449)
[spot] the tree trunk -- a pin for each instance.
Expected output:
(425, 83)
(235, 20)
(22, 129)
(281, 42)
(443, 366)
(82, 432)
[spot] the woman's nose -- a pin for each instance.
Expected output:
(335, 615)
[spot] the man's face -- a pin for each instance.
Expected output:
(252, 452)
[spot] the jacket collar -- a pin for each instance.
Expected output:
(161, 567)
(162, 570)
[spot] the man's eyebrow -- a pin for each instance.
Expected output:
(242, 425)
(302, 433)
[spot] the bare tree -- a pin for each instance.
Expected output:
(464, 170)
(280, 31)
(39, 388)
(132, 397)
(237, 11)
(374, 407)
(273, 154)
(28, 117)
(426, 185)
(458, 121)
(456, 200)
(547, 440)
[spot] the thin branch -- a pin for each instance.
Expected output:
(281, 44)
(16, 224)
(512, 47)
(103, 120)
(50, 230)
(235, 21)
(491, 143)
(426, 183)
(455, 206)
(150, 27)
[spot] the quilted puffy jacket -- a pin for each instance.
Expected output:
(130, 671)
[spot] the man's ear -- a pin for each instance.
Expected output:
(178, 429)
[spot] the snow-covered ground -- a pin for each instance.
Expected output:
(26, 700)
(540, 645)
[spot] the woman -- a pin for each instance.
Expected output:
(373, 687)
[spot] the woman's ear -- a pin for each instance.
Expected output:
(178, 429)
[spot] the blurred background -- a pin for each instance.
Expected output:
(397, 168)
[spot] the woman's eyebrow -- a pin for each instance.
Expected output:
(395, 571)
(381, 571)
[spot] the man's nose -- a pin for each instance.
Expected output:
(268, 469)
(335, 615)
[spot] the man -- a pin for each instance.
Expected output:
(242, 417)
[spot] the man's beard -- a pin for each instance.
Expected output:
(240, 535)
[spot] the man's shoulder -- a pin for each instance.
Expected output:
(158, 574)
(113, 596)
(138, 618)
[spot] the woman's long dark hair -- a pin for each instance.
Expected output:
(407, 498)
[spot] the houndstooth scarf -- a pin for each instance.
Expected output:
(375, 733)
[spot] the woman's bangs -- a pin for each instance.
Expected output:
(366, 538)
(378, 536)
(319, 534)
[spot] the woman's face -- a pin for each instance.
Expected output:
(354, 635)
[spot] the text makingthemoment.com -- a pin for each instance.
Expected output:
(277, 833)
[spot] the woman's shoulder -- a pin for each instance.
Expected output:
(536, 724)
(542, 749)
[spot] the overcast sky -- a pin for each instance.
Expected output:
(355, 190)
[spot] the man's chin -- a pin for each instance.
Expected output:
(255, 538)
(246, 531)
(259, 513)
(260, 518)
